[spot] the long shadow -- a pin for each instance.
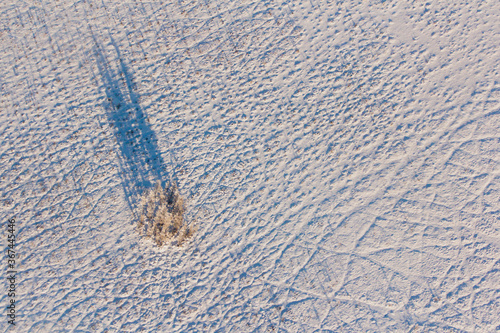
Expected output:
(140, 159)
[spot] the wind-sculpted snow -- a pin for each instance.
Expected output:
(341, 160)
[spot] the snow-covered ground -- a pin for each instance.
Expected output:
(340, 158)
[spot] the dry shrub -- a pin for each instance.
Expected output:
(161, 216)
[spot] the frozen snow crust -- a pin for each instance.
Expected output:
(340, 159)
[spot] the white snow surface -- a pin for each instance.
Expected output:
(340, 158)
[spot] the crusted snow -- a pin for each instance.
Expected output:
(340, 159)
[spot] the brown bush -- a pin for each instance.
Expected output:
(161, 216)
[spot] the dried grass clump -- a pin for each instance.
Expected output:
(161, 216)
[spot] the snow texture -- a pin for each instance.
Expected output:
(340, 158)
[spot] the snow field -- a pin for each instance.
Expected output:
(341, 160)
